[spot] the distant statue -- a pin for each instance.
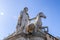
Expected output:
(23, 20)
(38, 21)
(24, 25)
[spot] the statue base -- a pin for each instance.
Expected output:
(23, 36)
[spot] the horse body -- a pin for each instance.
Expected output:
(38, 22)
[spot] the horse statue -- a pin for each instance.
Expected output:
(38, 21)
(37, 25)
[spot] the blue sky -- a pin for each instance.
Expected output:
(10, 9)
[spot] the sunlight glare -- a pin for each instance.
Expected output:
(1, 13)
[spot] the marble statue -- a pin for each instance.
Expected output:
(37, 25)
(25, 30)
(38, 21)
(24, 25)
(23, 20)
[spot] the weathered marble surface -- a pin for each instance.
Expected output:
(22, 36)
(32, 38)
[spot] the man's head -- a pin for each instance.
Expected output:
(25, 9)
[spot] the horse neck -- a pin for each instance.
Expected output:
(38, 19)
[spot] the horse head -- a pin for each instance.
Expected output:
(41, 14)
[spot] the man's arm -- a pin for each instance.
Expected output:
(32, 18)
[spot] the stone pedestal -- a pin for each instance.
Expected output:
(23, 36)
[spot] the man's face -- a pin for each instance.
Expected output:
(26, 10)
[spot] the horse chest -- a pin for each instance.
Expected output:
(38, 21)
